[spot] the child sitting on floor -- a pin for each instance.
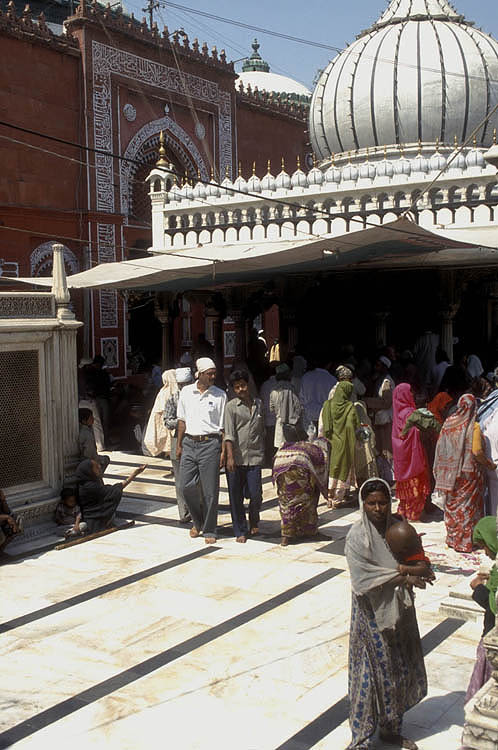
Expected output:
(68, 515)
(406, 546)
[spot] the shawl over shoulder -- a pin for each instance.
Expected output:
(372, 567)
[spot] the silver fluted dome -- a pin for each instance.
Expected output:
(421, 73)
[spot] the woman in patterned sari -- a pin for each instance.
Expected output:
(410, 463)
(386, 666)
(459, 475)
(300, 471)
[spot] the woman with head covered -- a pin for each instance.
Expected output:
(386, 666)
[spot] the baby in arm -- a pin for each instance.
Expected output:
(406, 547)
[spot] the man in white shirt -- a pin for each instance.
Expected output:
(201, 413)
(315, 388)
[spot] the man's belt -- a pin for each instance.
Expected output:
(203, 438)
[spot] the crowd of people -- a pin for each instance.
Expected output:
(358, 431)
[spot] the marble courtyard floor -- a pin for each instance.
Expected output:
(147, 638)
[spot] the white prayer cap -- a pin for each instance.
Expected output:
(203, 364)
(183, 375)
(84, 361)
(385, 361)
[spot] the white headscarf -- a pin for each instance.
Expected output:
(157, 437)
(372, 566)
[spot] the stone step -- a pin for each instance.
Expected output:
(460, 608)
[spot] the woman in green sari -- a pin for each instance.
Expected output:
(340, 422)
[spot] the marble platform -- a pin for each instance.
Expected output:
(147, 638)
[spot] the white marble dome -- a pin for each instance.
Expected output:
(256, 74)
(421, 73)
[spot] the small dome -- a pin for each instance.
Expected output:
(350, 173)
(458, 163)
(333, 174)
(420, 165)
(187, 192)
(256, 74)
(241, 184)
(268, 181)
(283, 180)
(199, 190)
(212, 190)
(402, 166)
(367, 171)
(227, 183)
(385, 168)
(315, 175)
(475, 158)
(437, 162)
(254, 183)
(298, 178)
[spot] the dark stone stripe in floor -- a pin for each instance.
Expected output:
(128, 676)
(334, 716)
(51, 609)
(440, 633)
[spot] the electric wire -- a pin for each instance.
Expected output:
(311, 43)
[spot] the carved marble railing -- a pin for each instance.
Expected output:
(256, 210)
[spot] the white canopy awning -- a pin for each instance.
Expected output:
(398, 244)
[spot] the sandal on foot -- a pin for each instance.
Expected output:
(210, 539)
(194, 533)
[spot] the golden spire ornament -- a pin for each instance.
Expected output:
(161, 162)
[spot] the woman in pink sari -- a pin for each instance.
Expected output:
(411, 472)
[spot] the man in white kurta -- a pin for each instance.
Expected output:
(201, 412)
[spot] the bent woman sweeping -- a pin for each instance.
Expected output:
(386, 665)
(300, 471)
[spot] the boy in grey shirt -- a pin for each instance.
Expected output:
(245, 452)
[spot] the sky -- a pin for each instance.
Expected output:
(327, 21)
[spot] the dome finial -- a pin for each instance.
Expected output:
(255, 62)
(494, 137)
(268, 165)
(333, 159)
(419, 147)
(254, 169)
(368, 155)
(437, 145)
(298, 161)
(283, 164)
(349, 157)
(227, 171)
(385, 153)
(474, 142)
(455, 142)
(314, 160)
(161, 162)
(198, 174)
(240, 169)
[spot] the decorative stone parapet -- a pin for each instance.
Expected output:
(34, 30)
(115, 20)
